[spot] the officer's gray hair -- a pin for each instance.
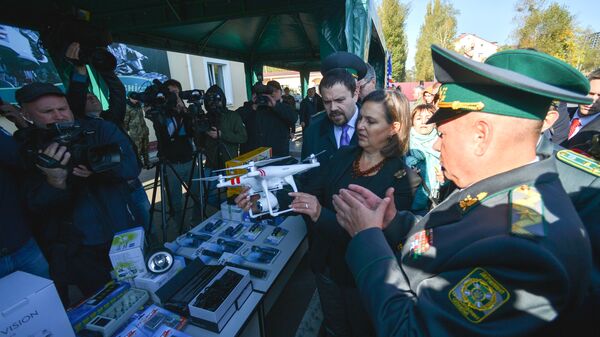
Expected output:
(370, 75)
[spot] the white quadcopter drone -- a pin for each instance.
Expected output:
(265, 180)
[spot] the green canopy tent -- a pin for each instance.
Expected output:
(292, 34)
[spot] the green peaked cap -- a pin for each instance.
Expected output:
(469, 85)
(542, 67)
(347, 61)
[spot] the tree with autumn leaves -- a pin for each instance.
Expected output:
(392, 14)
(552, 29)
(439, 28)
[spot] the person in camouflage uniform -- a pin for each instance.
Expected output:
(136, 127)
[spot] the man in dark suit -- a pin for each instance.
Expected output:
(308, 108)
(585, 121)
(335, 128)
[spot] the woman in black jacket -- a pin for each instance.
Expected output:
(377, 163)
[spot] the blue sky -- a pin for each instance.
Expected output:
(491, 19)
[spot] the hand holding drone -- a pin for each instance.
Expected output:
(262, 181)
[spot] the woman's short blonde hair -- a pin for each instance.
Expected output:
(421, 107)
(397, 109)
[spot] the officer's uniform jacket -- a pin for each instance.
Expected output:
(580, 177)
(502, 257)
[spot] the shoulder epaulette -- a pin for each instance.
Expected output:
(526, 212)
(579, 161)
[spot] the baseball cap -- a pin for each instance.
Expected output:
(31, 92)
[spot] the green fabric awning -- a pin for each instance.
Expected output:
(292, 34)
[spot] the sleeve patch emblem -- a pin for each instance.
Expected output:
(478, 295)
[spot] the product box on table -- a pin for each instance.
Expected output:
(127, 253)
(153, 321)
(84, 312)
(231, 212)
(260, 153)
(217, 319)
(152, 282)
(30, 306)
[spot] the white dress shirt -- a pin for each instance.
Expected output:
(337, 130)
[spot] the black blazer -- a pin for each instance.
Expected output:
(583, 139)
(330, 240)
(319, 136)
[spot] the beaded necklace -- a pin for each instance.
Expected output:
(356, 172)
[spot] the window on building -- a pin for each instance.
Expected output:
(215, 75)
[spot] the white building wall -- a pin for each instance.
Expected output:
(475, 47)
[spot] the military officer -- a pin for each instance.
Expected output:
(136, 127)
(578, 174)
(506, 253)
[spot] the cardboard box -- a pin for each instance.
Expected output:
(254, 155)
(152, 282)
(95, 305)
(146, 323)
(216, 320)
(231, 212)
(127, 253)
(30, 306)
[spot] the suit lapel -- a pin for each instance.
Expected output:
(584, 134)
(592, 126)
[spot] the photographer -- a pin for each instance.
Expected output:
(82, 101)
(77, 188)
(174, 131)
(226, 133)
(268, 120)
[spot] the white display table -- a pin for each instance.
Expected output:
(249, 320)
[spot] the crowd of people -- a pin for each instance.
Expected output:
(473, 210)
(464, 215)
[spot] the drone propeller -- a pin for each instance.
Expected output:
(312, 156)
(253, 164)
(219, 177)
(268, 161)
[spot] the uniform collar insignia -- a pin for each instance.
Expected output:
(470, 201)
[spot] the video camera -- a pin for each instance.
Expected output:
(99, 158)
(200, 119)
(92, 40)
(157, 96)
(262, 91)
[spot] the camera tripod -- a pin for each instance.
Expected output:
(161, 181)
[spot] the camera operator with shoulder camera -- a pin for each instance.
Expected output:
(222, 140)
(173, 125)
(77, 172)
(268, 120)
(87, 105)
